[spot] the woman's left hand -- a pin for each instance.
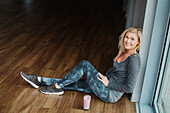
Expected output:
(103, 79)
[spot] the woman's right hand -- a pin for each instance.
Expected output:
(103, 79)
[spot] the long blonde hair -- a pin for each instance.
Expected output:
(121, 47)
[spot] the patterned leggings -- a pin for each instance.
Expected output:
(72, 81)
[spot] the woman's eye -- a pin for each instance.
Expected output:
(133, 39)
(127, 37)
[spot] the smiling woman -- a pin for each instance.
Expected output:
(110, 87)
(129, 43)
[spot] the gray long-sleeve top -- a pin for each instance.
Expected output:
(122, 76)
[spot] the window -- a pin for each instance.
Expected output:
(164, 94)
(153, 96)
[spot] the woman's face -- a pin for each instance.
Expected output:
(130, 41)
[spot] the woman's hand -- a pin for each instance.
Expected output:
(103, 79)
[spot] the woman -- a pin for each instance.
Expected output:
(119, 79)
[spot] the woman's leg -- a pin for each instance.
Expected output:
(80, 85)
(48, 81)
(85, 68)
(36, 82)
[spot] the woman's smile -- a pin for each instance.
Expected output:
(130, 41)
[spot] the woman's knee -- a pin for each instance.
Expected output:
(88, 68)
(85, 62)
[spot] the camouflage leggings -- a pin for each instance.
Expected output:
(72, 81)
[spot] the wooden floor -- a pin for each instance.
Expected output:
(49, 38)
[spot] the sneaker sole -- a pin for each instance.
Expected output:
(34, 85)
(48, 93)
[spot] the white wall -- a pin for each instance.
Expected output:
(135, 11)
(144, 50)
(140, 13)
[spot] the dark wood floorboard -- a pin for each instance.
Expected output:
(49, 38)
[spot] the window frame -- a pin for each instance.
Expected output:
(148, 92)
(166, 49)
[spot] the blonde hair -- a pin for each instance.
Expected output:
(121, 47)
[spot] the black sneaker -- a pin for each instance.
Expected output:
(52, 90)
(32, 79)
